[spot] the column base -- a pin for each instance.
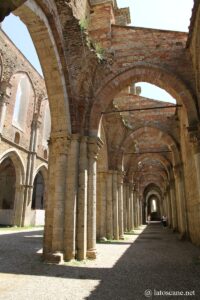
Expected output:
(121, 237)
(69, 257)
(182, 236)
(103, 239)
(81, 255)
(53, 258)
(92, 254)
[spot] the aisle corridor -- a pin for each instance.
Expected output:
(156, 261)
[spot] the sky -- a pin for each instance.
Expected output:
(159, 14)
(18, 33)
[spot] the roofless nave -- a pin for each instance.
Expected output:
(110, 163)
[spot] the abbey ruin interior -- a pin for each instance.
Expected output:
(81, 151)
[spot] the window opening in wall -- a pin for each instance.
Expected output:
(21, 101)
(17, 138)
(12, 25)
(45, 154)
(153, 206)
(7, 184)
(38, 192)
(152, 91)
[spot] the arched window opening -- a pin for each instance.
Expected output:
(12, 25)
(153, 208)
(153, 205)
(21, 101)
(38, 192)
(17, 138)
(45, 154)
(7, 184)
(151, 91)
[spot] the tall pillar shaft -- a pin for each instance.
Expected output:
(58, 221)
(109, 208)
(94, 145)
(173, 205)
(115, 207)
(82, 201)
(131, 207)
(125, 207)
(101, 204)
(128, 207)
(71, 199)
(181, 212)
(121, 207)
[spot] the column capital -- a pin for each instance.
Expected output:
(177, 169)
(94, 145)
(120, 177)
(60, 141)
(194, 137)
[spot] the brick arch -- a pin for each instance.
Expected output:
(44, 170)
(152, 193)
(151, 177)
(164, 137)
(142, 72)
(152, 187)
(156, 157)
(20, 181)
(17, 160)
(46, 36)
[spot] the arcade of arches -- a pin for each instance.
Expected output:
(112, 159)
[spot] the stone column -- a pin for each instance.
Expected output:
(138, 212)
(121, 208)
(28, 190)
(173, 205)
(101, 199)
(61, 144)
(18, 205)
(125, 206)
(55, 204)
(131, 206)
(115, 207)
(82, 200)
(94, 145)
(194, 139)
(169, 214)
(109, 210)
(180, 188)
(135, 209)
(128, 206)
(3, 107)
(71, 198)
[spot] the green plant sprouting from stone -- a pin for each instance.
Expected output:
(83, 24)
(93, 46)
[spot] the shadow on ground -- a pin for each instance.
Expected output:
(157, 260)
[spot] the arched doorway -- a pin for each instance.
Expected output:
(7, 191)
(38, 203)
(153, 208)
(38, 192)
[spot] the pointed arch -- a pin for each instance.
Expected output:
(14, 216)
(146, 73)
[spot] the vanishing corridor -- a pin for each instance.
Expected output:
(123, 270)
